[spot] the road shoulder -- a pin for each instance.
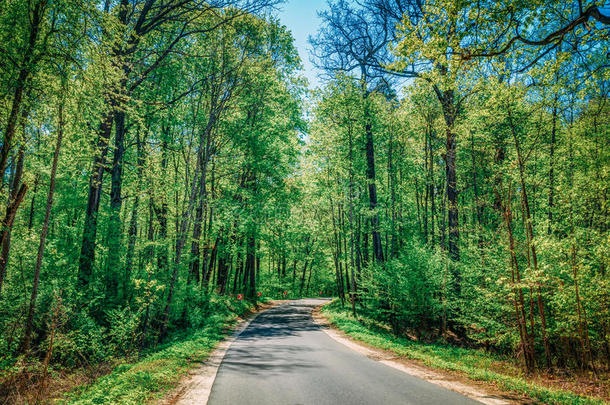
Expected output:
(477, 390)
(195, 388)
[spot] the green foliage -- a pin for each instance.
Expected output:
(174, 188)
(83, 341)
(158, 371)
(196, 167)
(401, 290)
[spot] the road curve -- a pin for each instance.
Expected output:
(283, 357)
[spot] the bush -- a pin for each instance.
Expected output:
(408, 292)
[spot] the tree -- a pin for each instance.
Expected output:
(355, 39)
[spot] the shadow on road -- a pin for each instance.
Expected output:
(260, 348)
(284, 321)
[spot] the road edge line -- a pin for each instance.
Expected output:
(427, 374)
(196, 387)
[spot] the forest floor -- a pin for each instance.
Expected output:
(463, 369)
(144, 378)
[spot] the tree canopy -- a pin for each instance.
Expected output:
(160, 159)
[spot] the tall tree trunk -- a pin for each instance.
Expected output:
(114, 229)
(370, 175)
(212, 261)
(432, 188)
(250, 266)
(552, 165)
(447, 100)
(527, 340)
(133, 223)
(180, 241)
(303, 278)
(194, 274)
(36, 21)
(161, 213)
(351, 223)
(477, 202)
(206, 248)
(221, 278)
(427, 188)
(197, 227)
(239, 265)
(452, 198)
(14, 188)
(87, 252)
(9, 217)
(337, 248)
(530, 238)
(43, 234)
(309, 277)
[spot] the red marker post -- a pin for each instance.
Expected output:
(285, 293)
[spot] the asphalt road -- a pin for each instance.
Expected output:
(283, 357)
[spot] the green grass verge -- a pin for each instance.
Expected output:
(158, 371)
(476, 364)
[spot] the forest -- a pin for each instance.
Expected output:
(163, 160)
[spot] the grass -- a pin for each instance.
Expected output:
(157, 372)
(475, 364)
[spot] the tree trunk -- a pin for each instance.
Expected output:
(35, 19)
(250, 267)
(161, 213)
(6, 242)
(447, 100)
(194, 274)
(527, 340)
(114, 228)
(530, 238)
(452, 199)
(370, 175)
(133, 224)
(552, 166)
(87, 252)
(351, 224)
(9, 217)
(336, 250)
(181, 239)
(449, 112)
(221, 278)
(43, 234)
(427, 188)
(303, 278)
(475, 189)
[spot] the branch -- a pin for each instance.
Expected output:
(552, 38)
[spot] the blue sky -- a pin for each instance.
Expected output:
(300, 16)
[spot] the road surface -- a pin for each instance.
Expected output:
(283, 357)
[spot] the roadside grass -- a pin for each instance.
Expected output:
(473, 363)
(158, 370)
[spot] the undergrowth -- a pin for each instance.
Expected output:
(159, 370)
